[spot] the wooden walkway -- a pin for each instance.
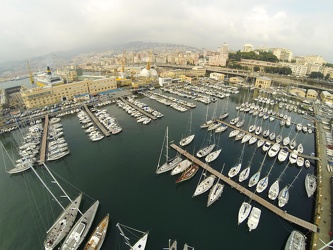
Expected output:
(42, 151)
(96, 121)
(138, 109)
(259, 137)
(253, 196)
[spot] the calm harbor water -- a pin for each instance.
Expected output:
(119, 171)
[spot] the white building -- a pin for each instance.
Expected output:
(247, 47)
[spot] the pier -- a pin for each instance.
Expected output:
(259, 137)
(96, 121)
(138, 109)
(42, 151)
(251, 195)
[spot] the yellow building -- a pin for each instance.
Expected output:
(236, 80)
(217, 76)
(311, 94)
(263, 82)
(44, 96)
(326, 97)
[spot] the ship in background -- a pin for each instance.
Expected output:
(48, 78)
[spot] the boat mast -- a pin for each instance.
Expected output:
(123, 234)
(46, 187)
(55, 181)
(167, 146)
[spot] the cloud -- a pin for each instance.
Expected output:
(32, 28)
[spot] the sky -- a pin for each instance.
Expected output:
(34, 27)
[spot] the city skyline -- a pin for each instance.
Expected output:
(35, 28)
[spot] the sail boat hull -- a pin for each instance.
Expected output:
(62, 225)
(80, 229)
(274, 190)
(215, 193)
(244, 212)
(97, 238)
(187, 140)
(204, 185)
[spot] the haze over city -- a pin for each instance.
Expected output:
(38, 27)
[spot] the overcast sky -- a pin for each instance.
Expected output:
(32, 28)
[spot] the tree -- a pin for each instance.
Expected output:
(256, 68)
(327, 76)
(315, 75)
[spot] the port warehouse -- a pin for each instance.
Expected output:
(47, 95)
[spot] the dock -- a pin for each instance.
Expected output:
(138, 109)
(96, 121)
(251, 195)
(42, 151)
(266, 140)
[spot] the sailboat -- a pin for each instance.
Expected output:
(274, 189)
(182, 166)
(255, 178)
(169, 163)
(213, 155)
(244, 211)
(263, 183)
(97, 237)
(207, 123)
(205, 184)
(189, 138)
(235, 169)
(244, 174)
(284, 193)
(207, 149)
(172, 245)
(310, 184)
(188, 174)
(225, 114)
(215, 192)
(140, 244)
(80, 229)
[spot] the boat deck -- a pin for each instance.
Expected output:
(42, 151)
(138, 109)
(267, 140)
(96, 121)
(253, 196)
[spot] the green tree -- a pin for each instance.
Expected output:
(327, 76)
(316, 75)
(256, 68)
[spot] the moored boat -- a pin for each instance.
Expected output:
(310, 184)
(62, 225)
(296, 241)
(204, 185)
(244, 211)
(254, 218)
(182, 166)
(139, 244)
(97, 237)
(188, 174)
(80, 229)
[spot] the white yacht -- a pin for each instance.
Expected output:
(244, 212)
(293, 156)
(182, 166)
(273, 191)
(215, 193)
(234, 133)
(80, 229)
(204, 185)
(260, 142)
(296, 241)
(310, 184)
(254, 218)
(300, 161)
(266, 146)
(213, 155)
(244, 174)
(235, 170)
(205, 151)
(283, 196)
(274, 150)
(283, 154)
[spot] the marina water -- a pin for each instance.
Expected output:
(119, 171)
